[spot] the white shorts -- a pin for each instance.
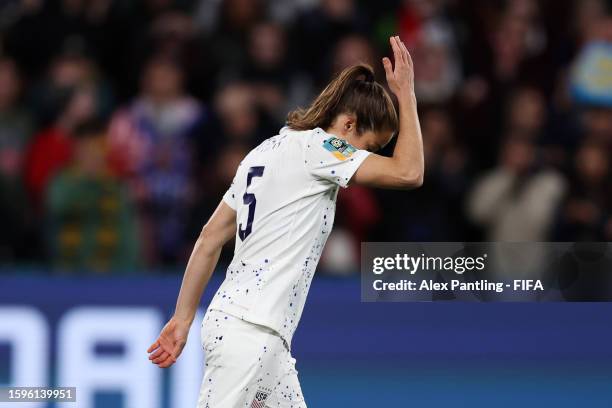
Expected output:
(247, 365)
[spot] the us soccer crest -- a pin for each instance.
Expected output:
(339, 148)
(260, 398)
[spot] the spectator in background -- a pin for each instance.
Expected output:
(51, 148)
(350, 50)
(438, 75)
(317, 31)
(586, 213)
(70, 93)
(588, 17)
(526, 113)
(227, 42)
(517, 42)
(414, 16)
(597, 125)
(434, 213)
(69, 71)
(448, 172)
(430, 38)
(505, 49)
(44, 29)
(267, 70)
(277, 77)
(167, 30)
(152, 142)
(238, 119)
(91, 224)
(16, 127)
(516, 201)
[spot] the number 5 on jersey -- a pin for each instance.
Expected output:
(250, 200)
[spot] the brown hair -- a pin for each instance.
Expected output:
(353, 91)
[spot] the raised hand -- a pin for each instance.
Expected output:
(401, 77)
(169, 345)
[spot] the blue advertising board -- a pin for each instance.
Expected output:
(93, 332)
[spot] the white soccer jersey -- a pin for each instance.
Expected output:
(284, 194)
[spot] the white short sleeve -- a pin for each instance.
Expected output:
(330, 158)
(230, 198)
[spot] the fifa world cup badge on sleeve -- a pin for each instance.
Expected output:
(339, 148)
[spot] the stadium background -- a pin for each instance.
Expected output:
(122, 123)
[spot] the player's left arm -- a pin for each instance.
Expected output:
(218, 230)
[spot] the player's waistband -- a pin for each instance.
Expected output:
(243, 318)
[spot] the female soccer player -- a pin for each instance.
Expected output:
(280, 207)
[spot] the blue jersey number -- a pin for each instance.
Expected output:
(250, 200)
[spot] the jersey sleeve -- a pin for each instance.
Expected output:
(331, 158)
(230, 197)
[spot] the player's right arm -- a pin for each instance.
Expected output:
(218, 230)
(403, 170)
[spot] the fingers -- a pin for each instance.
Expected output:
(400, 52)
(168, 346)
(163, 353)
(169, 361)
(406, 54)
(397, 52)
(402, 49)
(160, 352)
(156, 354)
(388, 68)
(161, 358)
(153, 346)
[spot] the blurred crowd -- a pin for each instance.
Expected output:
(122, 121)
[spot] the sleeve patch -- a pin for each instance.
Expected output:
(339, 148)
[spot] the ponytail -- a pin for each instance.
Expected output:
(353, 91)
